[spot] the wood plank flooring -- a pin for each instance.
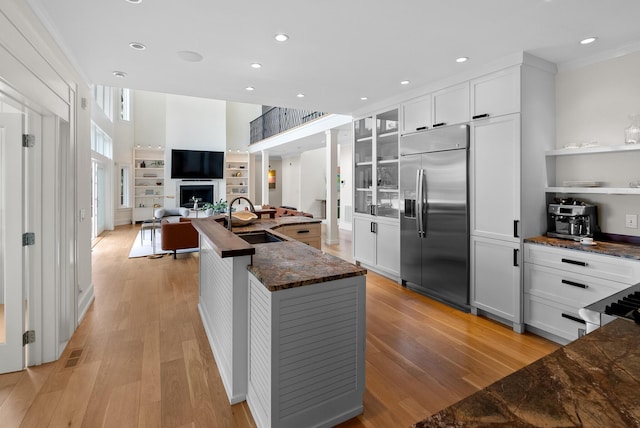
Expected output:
(140, 358)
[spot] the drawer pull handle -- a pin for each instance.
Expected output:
(435, 125)
(480, 116)
(303, 231)
(575, 284)
(572, 318)
(574, 262)
(422, 128)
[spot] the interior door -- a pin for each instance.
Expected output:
(11, 251)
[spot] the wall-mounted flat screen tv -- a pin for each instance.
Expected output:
(196, 164)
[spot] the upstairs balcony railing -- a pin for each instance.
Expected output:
(280, 119)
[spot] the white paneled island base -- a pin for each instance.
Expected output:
(306, 353)
(223, 309)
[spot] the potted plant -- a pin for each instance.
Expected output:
(220, 206)
(214, 208)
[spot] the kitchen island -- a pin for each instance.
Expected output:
(286, 324)
(592, 382)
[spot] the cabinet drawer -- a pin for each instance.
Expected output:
(567, 288)
(300, 231)
(601, 266)
(314, 242)
(560, 320)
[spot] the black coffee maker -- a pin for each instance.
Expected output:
(571, 219)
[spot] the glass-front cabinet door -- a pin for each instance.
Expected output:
(363, 159)
(376, 165)
(387, 194)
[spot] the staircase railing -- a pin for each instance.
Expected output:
(280, 119)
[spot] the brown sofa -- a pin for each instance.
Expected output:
(289, 211)
(178, 235)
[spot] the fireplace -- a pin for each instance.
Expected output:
(203, 192)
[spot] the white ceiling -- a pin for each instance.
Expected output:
(339, 50)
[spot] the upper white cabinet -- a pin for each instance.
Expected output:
(375, 154)
(495, 168)
(416, 115)
(451, 105)
(496, 94)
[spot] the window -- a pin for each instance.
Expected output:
(101, 142)
(103, 97)
(124, 181)
(125, 104)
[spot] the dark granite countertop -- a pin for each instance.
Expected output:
(279, 265)
(617, 249)
(293, 264)
(591, 382)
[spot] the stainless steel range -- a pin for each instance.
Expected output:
(624, 304)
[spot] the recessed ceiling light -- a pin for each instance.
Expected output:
(137, 46)
(588, 40)
(404, 82)
(250, 88)
(190, 56)
(462, 59)
(364, 98)
(120, 74)
(256, 65)
(134, 1)
(300, 95)
(281, 37)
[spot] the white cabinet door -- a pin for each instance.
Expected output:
(364, 241)
(495, 278)
(388, 247)
(451, 105)
(416, 115)
(495, 178)
(496, 94)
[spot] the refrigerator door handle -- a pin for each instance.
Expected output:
(425, 203)
(419, 174)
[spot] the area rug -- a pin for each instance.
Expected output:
(145, 249)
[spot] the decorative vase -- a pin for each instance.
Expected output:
(632, 133)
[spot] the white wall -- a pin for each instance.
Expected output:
(291, 177)
(313, 181)
(275, 195)
(593, 104)
(239, 115)
(346, 184)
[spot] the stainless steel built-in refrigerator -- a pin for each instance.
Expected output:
(434, 219)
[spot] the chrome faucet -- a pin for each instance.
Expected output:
(253, 209)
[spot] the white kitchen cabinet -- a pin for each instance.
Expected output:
(496, 94)
(416, 115)
(495, 167)
(376, 244)
(496, 271)
(375, 154)
(451, 105)
(507, 184)
(559, 281)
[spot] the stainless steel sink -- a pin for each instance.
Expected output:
(260, 237)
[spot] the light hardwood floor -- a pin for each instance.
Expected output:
(140, 358)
